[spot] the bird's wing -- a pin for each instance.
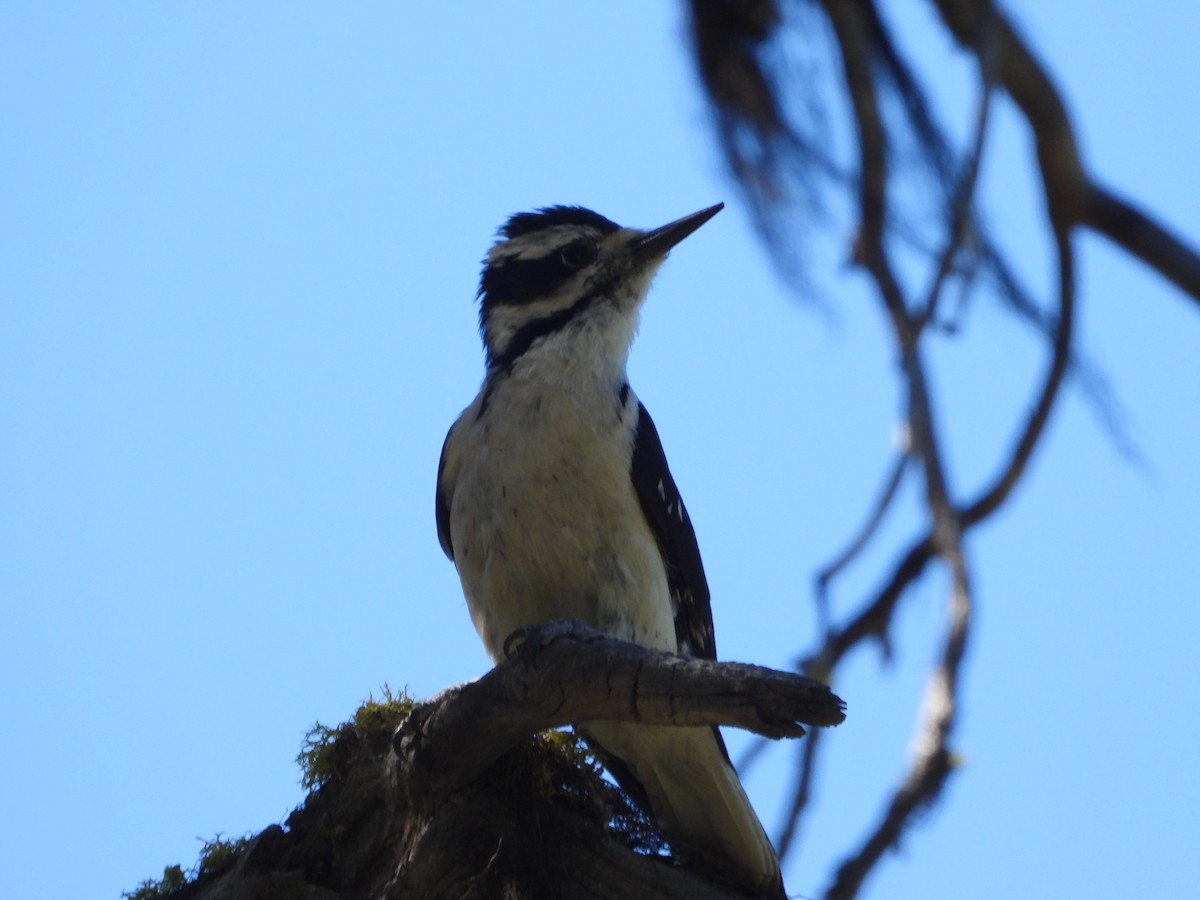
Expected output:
(442, 502)
(685, 773)
(672, 526)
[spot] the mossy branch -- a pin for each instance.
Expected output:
(465, 795)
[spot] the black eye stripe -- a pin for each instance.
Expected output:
(516, 282)
(508, 280)
(521, 281)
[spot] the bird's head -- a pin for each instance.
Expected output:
(560, 268)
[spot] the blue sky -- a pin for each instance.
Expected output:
(239, 245)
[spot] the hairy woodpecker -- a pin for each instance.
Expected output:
(554, 501)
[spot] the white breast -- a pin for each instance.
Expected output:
(544, 519)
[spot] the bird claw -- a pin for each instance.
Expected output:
(532, 638)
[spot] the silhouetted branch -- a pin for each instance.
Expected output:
(805, 772)
(874, 618)
(962, 205)
(926, 776)
(878, 510)
(1076, 198)
(1139, 235)
(880, 82)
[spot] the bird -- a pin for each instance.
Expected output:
(555, 501)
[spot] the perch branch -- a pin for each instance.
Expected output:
(565, 673)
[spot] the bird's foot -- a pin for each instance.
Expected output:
(532, 638)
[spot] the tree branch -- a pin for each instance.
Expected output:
(927, 772)
(1076, 199)
(874, 519)
(1140, 236)
(963, 203)
(879, 82)
(566, 673)
(451, 799)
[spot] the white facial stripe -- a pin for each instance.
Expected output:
(505, 321)
(538, 244)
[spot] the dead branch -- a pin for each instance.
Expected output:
(1073, 195)
(566, 673)
(768, 153)
(1140, 236)
(452, 800)
(858, 543)
(926, 775)
(962, 204)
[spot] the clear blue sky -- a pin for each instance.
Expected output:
(239, 245)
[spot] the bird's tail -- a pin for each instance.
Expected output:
(696, 797)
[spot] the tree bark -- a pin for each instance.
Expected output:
(457, 799)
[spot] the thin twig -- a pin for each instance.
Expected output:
(879, 508)
(927, 772)
(961, 218)
(873, 620)
(873, 67)
(806, 771)
(747, 761)
(1062, 181)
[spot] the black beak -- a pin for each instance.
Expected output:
(657, 243)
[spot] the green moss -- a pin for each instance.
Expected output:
(564, 770)
(173, 879)
(320, 757)
(558, 762)
(322, 752)
(557, 765)
(216, 856)
(564, 764)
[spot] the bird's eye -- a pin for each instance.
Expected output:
(578, 254)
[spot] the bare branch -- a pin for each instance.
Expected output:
(1063, 183)
(1074, 197)
(876, 76)
(962, 205)
(805, 772)
(878, 510)
(928, 769)
(872, 620)
(563, 675)
(932, 762)
(927, 774)
(852, 27)
(1139, 235)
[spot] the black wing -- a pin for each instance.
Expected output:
(672, 526)
(442, 505)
